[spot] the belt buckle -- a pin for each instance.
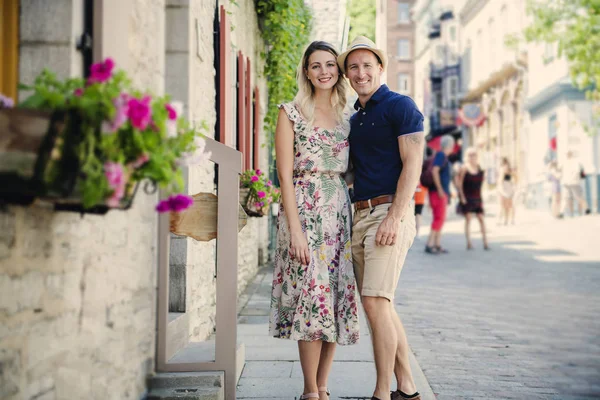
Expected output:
(370, 205)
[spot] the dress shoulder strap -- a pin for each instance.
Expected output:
(291, 111)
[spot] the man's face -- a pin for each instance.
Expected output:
(364, 72)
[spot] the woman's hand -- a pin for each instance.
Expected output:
(463, 199)
(299, 247)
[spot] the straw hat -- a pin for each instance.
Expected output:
(361, 42)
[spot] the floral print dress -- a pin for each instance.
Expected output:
(317, 301)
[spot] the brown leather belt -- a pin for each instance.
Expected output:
(362, 204)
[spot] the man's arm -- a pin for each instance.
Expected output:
(435, 173)
(411, 154)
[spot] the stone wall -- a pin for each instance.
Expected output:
(78, 294)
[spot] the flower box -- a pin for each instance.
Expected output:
(99, 141)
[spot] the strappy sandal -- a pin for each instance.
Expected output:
(400, 395)
(309, 396)
(324, 389)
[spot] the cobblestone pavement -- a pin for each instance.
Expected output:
(520, 321)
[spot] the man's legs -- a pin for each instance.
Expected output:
(402, 369)
(385, 342)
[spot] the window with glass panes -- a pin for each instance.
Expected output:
(403, 49)
(403, 13)
(403, 83)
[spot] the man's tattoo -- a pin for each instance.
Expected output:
(415, 139)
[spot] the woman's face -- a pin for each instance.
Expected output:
(473, 158)
(322, 70)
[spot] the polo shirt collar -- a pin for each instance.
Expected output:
(379, 95)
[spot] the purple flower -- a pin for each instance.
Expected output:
(254, 178)
(139, 112)
(78, 92)
(6, 102)
(258, 172)
(175, 203)
(261, 194)
(102, 71)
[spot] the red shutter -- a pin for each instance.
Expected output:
(224, 111)
(247, 119)
(256, 142)
(241, 103)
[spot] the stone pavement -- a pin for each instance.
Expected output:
(517, 322)
(272, 369)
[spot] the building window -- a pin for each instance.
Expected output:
(452, 92)
(403, 13)
(403, 83)
(453, 34)
(403, 49)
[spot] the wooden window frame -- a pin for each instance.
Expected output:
(241, 103)
(256, 142)
(224, 86)
(9, 48)
(248, 116)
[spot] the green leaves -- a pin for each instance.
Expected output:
(285, 27)
(575, 26)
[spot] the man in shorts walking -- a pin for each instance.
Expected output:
(386, 148)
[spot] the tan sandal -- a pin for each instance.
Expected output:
(324, 389)
(309, 396)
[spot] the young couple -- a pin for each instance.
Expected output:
(324, 254)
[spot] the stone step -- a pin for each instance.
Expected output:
(188, 393)
(182, 380)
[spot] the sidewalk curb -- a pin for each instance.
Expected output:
(420, 379)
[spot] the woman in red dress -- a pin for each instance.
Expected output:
(470, 179)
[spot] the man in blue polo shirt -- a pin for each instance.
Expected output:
(386, 148)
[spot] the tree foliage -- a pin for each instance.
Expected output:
(285, 27)
(575, 26)
(363, 15)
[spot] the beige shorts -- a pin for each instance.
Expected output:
(377, 268)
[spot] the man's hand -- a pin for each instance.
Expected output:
(387, 233)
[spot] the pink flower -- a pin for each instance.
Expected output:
(261, 194)
(116, 181)
(101, 72)
(6, 102)
(139, 112)
(78, 92)
(269, 184)
(172, 112)
(175, 203)
(141, 160)
(258, 172)
(121, 104)
(254, 178)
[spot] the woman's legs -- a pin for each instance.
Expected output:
(481, 219)
(467, 233)
(310, 354)
(325, 362)
(511, 210)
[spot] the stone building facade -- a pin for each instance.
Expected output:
(400, 46)
(78, 293)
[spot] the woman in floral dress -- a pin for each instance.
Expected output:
(314, 291)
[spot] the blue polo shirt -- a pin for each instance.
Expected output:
(374, 133)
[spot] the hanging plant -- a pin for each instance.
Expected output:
(285, 28)
(112, 137)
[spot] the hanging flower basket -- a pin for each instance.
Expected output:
(257, 193)
(102, 139)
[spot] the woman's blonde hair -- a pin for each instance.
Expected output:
(305, 96)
